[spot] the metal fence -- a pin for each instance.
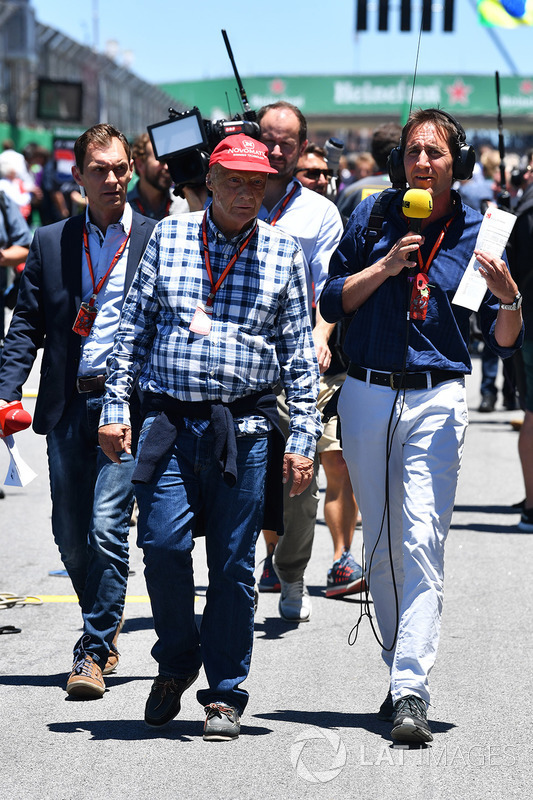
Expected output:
(30, 51)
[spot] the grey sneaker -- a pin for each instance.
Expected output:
(222, 723)
(294, 603)
(410, 720)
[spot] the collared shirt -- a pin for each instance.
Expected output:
(96, 347)
(377, 334)
(260, 333)
(315, 224)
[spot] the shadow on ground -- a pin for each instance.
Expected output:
(135, 730)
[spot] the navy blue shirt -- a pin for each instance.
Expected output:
(377, 334)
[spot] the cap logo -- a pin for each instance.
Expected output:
(239, 152)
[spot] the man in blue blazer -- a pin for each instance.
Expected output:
(76, 277)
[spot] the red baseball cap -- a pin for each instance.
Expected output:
(241, 152)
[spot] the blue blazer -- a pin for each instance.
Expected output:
(48, 302)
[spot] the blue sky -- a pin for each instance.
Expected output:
(173, 41)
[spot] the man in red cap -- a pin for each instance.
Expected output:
(215, 318)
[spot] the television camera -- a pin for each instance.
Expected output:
(185, 140)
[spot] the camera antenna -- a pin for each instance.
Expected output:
(248, 112)
(504, 198)
(415, 73)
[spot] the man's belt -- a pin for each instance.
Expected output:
(91, 383)
(404, 380)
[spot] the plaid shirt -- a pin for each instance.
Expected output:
(260, 333)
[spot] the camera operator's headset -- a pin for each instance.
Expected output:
(463, 162)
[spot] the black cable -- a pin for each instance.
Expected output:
(391, 431)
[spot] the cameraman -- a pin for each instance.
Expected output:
(151, 195)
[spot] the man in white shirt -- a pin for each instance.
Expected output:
(315, 224)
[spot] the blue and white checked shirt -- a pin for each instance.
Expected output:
(260, 333)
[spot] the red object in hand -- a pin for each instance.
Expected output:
(13, 418)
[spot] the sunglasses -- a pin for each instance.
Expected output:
(314, 174)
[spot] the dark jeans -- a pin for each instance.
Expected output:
(92, 500)
(489, 366)
(187, 491)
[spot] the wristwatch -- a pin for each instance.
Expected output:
(514, 306)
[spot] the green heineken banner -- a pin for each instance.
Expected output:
(370, 95)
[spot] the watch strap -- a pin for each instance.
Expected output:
(514, 306)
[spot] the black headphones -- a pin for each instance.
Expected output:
(463, 163)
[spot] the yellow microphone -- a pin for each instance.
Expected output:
(417, 204)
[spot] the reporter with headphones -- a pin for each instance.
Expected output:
(403, 407)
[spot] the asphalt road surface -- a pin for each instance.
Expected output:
(310, 729)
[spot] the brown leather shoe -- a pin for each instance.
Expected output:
(114, 655)
(86, 679)
(112, 662)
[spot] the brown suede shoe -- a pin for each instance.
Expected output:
(114, 655)
(112, 662)
(86, 679)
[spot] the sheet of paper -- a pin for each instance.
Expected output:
(18, 473)
(493, 235)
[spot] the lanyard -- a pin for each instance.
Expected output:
(96, 288)
(286, 200)
(420, 291)
(207, 259)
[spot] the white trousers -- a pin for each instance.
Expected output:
(425, 456)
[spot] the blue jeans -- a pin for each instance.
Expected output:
(92, 500)
(188, 491)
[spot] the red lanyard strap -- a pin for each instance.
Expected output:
(286, 200)
(207, 259)
(421, 289)
(425, 267)
(96, 288)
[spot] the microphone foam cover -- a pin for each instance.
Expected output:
(417, 203)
